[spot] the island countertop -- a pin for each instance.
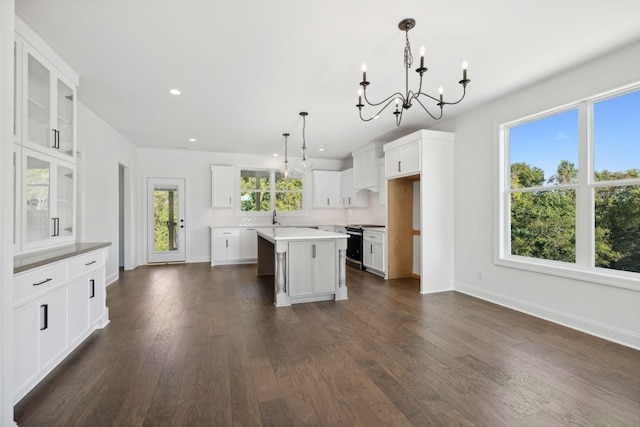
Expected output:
(274, 234)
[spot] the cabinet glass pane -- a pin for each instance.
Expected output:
(37, 194)
(38, 103)
(64, 202)
(65, 119)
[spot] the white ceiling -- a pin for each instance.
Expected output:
(246, 68)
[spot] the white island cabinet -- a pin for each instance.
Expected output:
(307, 264)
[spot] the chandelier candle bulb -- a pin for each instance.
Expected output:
(464, 70)
(364, 72)
(440, 90)
(422, 52)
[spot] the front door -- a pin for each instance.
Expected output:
(165, 218)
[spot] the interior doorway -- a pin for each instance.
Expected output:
(165, 220)
(126, 252)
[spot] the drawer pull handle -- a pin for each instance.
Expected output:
(43, 282)
(92, 262)
(45, 316)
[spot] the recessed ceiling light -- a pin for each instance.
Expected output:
(192, 140)
(320, 149)
(174, 92)
(275, 154)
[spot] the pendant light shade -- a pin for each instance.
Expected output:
(304, 163)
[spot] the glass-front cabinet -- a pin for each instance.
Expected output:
(48, 197)
(49, 107)
(44, 178)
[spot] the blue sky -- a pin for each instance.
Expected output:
(544, 143)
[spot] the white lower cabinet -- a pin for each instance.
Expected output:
(55, 308)
(26, 325)
(249, 240)
(53, 330)
(373, 257)
(233, 245)
(79, 317)
(312, 268)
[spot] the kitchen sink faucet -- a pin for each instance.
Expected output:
(275, 217)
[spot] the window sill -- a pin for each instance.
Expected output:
(601, 276)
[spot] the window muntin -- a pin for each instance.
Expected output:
(585, 219)
(267, 190)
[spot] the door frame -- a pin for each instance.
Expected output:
(166, 257)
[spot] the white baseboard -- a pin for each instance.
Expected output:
(588, 326)
(112, 278)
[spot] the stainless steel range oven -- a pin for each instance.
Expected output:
(354, 246)
(355, 243)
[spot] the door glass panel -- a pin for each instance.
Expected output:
(65, 119)
(165, 230)
(38, 106)
(38, 190)
(64, 202)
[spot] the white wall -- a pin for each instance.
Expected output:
(6, 210)
(101, 150)
(610, 312)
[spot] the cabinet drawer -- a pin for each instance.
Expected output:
(31, 283)
(226, 232)
(374, 236)
(85, 263)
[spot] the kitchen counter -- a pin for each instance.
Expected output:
(308, 264)
(274, 234)
(38, 259)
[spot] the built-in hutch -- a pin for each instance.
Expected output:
(59, 294)
(423, 159)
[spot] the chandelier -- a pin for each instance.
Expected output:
(304, 164)
(403, 101)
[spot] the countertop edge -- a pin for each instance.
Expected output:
(314, 235)
(30, 261)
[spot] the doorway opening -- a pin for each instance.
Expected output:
(165, 217)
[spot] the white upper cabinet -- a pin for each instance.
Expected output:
(45, 145)
(403, 159)
(48, 107)
(326, 189)
(48, 195)
(222, 186)
(349, 197)
(382, 183)
(365, 172)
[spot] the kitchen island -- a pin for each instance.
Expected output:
(307, 264)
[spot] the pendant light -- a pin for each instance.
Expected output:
(285, 171)
(304, 164)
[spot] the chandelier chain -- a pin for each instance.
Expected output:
(408, 57)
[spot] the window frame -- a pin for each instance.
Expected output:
(272, 193)
(583, 268)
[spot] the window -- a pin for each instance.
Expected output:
(571, 187)
(265, 191)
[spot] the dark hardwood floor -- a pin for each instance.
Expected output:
(193, 346)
